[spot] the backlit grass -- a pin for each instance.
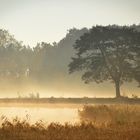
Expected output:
(119, 122)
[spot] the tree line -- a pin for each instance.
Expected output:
(102, 53)
(18, 61)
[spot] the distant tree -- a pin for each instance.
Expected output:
(14, 57)
(108, 53)
(37, 95)
(39, 61)
(137, 71)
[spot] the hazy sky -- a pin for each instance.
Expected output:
(48, 20)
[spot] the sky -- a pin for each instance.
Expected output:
(33, 21)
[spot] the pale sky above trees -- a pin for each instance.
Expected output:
(48, 20)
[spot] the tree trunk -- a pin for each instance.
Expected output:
(117, 86)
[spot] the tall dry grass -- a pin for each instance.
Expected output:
(111, 129)
(110, 114)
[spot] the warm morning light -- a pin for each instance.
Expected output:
(69, 70)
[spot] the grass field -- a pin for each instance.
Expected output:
(99, 122)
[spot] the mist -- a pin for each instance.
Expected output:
(44, 70)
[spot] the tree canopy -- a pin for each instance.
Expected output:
(45, 62)
(42, 62)
(108, 53)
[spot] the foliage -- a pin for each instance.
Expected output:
(18, 62)
(108, 53)
(110, 114)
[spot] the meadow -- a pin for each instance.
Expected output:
(98, 122)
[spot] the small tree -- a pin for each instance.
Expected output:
(107, 53)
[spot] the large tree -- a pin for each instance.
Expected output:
(108, 53)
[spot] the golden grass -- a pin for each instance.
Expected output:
(110, 114)
(111, 127)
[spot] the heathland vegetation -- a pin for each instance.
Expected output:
(103, 122)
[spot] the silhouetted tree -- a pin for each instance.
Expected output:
(107, 53)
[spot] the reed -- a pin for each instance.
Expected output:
(87, 129)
